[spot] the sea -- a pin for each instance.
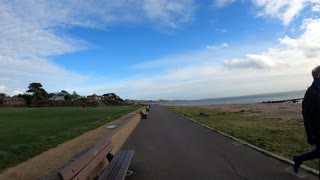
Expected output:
(249, 99)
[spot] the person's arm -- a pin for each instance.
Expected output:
(307, 112)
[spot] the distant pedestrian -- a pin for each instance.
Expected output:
(311, 117)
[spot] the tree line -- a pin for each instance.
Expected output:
(37, 96)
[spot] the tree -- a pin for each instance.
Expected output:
(2, 97)
(64, 92)
(51, 95)
(37, 91)
(74, 94)
(68, 97)
(27, 97)
(112, 99)
(110, 95)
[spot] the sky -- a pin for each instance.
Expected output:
(159, 49)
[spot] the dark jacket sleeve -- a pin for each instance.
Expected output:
(307, 112)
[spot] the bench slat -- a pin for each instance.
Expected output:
(118, 167)
(84, 173)
(125, 166)
(92, 158)
(112, 167)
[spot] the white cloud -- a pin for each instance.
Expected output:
(170, 13)
(205, 81)
(24, 36)
(223, 45)
(309, 41)
(283, 10)
(4, 89)
(252, 61)
(292, 52)
(17, 74)
(93, 13)
(174, 61)
(33, 31)
(33, 28)
(30, 32)
(285, 67)
(316, 8)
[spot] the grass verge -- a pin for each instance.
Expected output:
(284, 138)
(26, 132)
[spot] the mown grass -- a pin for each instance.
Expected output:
(285, 138)
(26, 132)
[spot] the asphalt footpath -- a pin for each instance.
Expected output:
(169, 146)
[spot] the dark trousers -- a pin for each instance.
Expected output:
(315, 154)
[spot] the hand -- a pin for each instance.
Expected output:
(310, 140)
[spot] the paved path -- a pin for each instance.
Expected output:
(169, 146)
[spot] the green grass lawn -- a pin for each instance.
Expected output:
(26, 132)
(285, 138)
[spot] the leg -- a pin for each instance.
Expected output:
(298, 160)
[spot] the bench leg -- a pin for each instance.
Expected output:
(129, 172)
(110, 157)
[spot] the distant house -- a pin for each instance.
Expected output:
(57, 97)
(128, 101)
(111, 96)
(94, 97)
(14, 101)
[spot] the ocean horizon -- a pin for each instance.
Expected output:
(248, 99)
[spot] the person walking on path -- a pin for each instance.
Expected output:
(311, 117)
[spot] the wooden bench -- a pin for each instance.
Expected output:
(83, 166)
(143, 114)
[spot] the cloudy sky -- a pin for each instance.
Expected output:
(159, 49)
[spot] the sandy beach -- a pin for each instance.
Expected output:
(281, 111)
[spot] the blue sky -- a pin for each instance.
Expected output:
(159, 49)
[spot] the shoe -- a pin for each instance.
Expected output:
(297, 164)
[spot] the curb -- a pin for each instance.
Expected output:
(268, 153)
(120, 137)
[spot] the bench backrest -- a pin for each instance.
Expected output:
(85, 164)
